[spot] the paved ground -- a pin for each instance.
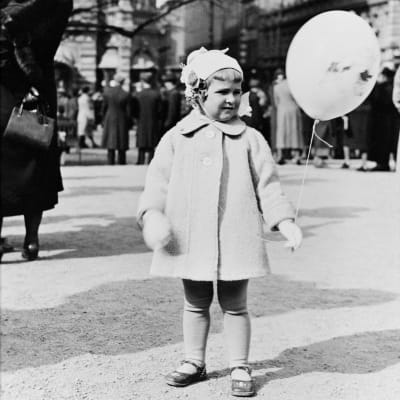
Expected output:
(326, 323)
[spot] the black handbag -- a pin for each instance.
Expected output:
(31, 128)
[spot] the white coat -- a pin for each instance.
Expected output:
(215, 182)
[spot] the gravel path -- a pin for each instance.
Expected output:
(326, 325)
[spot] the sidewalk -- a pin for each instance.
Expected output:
(85, 321)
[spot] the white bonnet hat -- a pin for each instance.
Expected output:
(201, 64)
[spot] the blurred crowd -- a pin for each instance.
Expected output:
(152, 106)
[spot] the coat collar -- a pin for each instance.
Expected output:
(195, 120)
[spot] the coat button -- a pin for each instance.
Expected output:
(210, 134)
(207, 161)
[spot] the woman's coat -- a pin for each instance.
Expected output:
(149, 105)
(117, 119)
(289, 130)
(30, 180)
(214, 182)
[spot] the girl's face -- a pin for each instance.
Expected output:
(223, 99)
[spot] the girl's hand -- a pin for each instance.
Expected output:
(156, 229)
(291, 232)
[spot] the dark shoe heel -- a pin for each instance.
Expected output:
(181, 379)
(30, 252)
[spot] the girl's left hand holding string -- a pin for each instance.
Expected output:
(291, 232)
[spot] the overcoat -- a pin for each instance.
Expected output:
(173, 108)
(396, 102)
(217, 183)
(257, 101)
(117, 118)
(289, 131)
(359, 127)
(31, 32)
(385, 123)
(149, 103)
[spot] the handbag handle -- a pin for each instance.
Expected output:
(41, 112)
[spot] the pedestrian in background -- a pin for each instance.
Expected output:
(173, 100)
(200, 212)
(72, 112)
(289, 131)
(117, 120)
(385, 122)
(85, 118)
(258, 103)
(97, 99)
(30, 180)
(278, 76)
(149, 104)
(396, 102)
(357, 132)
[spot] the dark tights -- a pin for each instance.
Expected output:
(32, 223)
(142, 154)
(111, 157)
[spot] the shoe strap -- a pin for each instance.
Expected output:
(198, 367)
(243, 367)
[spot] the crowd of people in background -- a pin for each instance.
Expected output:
(151, 107)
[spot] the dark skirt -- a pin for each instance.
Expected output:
(30, 179)
(359, 128)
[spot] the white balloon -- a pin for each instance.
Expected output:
(332, 64)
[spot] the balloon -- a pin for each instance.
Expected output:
(332, 64)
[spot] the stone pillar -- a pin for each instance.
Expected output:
(394, 27)
(124, 18)
(86, 45)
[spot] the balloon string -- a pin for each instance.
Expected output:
(314, 133)
(318, 137)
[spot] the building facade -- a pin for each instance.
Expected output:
(98, 43)
(271, 25)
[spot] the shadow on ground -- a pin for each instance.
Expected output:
(84, 178)
(98, 190)
(90, 235)
(114, 236)
(90, 157)
(333, 212)
(362, 353)
(131, 316)
(286, 181)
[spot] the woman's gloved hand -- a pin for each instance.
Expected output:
(291, 232)
(156, 229)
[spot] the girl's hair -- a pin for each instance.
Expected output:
(226, 74)
(200, 92)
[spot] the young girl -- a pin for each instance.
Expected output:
(209, 188)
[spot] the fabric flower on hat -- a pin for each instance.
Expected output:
(201, 64)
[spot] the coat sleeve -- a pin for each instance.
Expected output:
(272, 202)
(155, 191)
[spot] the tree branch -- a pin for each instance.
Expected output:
(152, 20)
(100, 27)
(130, 33)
